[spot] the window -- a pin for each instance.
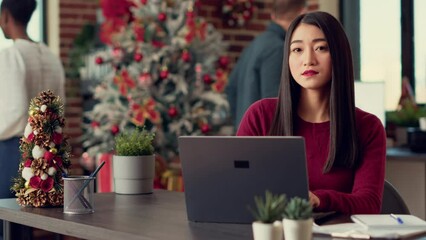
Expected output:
(420, 50)
(386, 27)
(380, 46)
(35, 26)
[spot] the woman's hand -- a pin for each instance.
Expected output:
(314, 200)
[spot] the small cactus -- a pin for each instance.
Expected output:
(298, 209)
(270, 209)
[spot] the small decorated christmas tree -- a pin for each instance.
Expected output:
(45, 154)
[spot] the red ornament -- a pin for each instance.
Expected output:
(223, 61)
(35, 182)
(28, 163)
(205, 128)
(115, 129)
(138, 57)
(48, 156)
(164, 74)
(95, 124)
(186, 56)
(190, 14)
(173, 111)
(57, 138)
(144, 1)
(207, 79)
(58, 161)
(31, 137)
(47, 185)
(157, 44)
(162, 17)
(99, 60)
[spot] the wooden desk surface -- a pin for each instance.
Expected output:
(161, 215)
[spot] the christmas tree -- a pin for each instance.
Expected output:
(168, 73)
(45, 154)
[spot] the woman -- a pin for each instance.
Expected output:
(345, 146)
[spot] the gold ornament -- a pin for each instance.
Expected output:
(27, 184)
(53, 150)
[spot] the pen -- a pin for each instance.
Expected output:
(398, 219)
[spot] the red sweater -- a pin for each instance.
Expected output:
(352, 191)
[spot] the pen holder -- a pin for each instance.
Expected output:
(78, 194)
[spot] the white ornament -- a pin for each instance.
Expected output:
(27, 173)
(51, 171)
(35, 132)
(52, 145)
(38, 152)
(43, 176)
(28, 130)
(58, 129)
(43, 108)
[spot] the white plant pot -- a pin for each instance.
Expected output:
(267, 231)
(133, 174)
(298, 229)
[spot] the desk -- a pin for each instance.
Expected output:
(161, 215)
(406, 170)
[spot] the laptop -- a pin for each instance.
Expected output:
(222, 174)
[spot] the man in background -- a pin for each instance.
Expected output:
(26, 69)
(257, 73)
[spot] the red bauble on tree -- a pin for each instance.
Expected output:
(224, 61)
(164, 73)
(115, 129)
(186, 56)
(95, 124)
(207, 79)
(205, 128)
(162, 17)
(144, 1)
(138, 57)
(172, 111)
(99, 60)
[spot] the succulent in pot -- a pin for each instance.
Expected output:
(268, 214)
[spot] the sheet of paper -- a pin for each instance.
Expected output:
(355, 230)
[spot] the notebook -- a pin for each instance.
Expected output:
(384, 226)
(222, 174)
(393, 221)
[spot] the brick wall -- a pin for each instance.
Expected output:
(75, 13)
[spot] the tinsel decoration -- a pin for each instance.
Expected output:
(44, 154)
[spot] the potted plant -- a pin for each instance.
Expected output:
(134, 162)
(297, 219)
(268, 214)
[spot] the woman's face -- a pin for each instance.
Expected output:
(310, 59)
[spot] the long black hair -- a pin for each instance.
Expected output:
(344, 146)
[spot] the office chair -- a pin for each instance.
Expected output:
(392, 201)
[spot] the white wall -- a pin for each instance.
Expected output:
(52, 18)
(330, 6)
(370, 97)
